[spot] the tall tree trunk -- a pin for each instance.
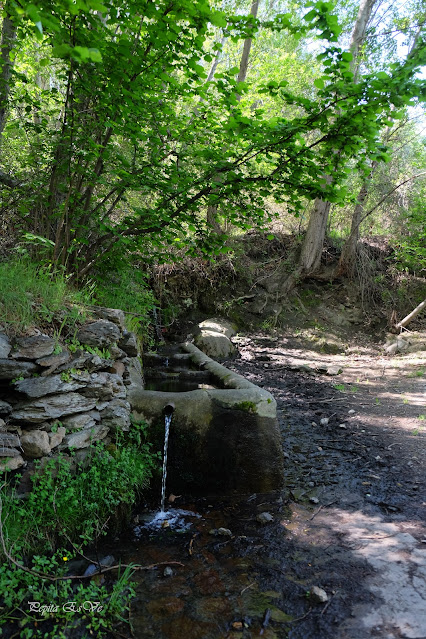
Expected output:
(8, 37)
(242, 74)
(310, 256)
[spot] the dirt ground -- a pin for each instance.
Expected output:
(355, 448)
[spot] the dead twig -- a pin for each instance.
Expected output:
(320, 508)
(328, 603)
(247, 587)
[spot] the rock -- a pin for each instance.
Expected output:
(391, 349)
(35, 443)
(53, 407)
(10, 369)
(117, 415)
(5, 346)
(215, 345)
(324, 421)
(41, 386)
(314, 500)
(318, 595)
(86, 361)
(84, 438)
(9, 440)
(333, 370)
(117, 353)
(118, 368)
(134, 377)
(264, 518)
(402, 344)
(33, 347)
(55, 438)
(52, 362)
(105, 386)
(8, 452)
(343, 426)
(82, 420)
(218, 325)
(214, 338)
(168, 572)
(351, 412)
(224, 532)
(100, 334)
(11, 463)
(5, 408)
(128, 343)
(114, 315)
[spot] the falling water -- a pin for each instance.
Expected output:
(167, 422)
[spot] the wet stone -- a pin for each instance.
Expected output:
(208, 582)
(5, 408)
(212, 608)
(186, 628)
(165, 606)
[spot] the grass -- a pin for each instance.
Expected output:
(346, 389)
(31, 294)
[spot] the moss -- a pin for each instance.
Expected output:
(248, 407)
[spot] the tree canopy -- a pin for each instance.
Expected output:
(123, 121)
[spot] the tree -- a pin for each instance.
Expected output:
(123, 162)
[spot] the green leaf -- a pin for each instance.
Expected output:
(319, 83)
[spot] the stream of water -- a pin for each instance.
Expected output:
(167, 422)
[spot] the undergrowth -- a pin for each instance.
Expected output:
(71, 505)
(31, 294)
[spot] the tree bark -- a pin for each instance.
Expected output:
(8, 37)
(310, 257)
(412, 315)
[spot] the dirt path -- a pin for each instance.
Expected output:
(355, 446)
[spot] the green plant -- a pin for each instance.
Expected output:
(51, 607)
(34, 294)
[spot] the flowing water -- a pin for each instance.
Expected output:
(167, 422)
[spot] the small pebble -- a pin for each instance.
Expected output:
(314, 424)
(225, 532)
(351, 412)
(264, 518)
(324, 421)
(343, 426)
(314, 500)
(318, 595)
(168, 572)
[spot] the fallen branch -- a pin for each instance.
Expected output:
(411, 315)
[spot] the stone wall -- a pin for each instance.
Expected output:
(56, 397)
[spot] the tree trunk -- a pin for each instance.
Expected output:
(242, 74)
(310, 257)
(348, 255)
(8, 37)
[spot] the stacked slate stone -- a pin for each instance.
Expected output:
(52, 399)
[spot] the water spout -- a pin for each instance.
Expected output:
(168, 414)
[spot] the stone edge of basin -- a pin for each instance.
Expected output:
(238, 390)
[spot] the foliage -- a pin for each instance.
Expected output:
(125, 143)
(60, 607)
(74, 500)
(125, 286)
(69, 507)
(33, 294)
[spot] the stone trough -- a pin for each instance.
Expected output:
(224, 435)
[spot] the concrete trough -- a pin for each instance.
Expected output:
(222, 440)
